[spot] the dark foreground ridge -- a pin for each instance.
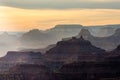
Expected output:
(72, 59)
(75, 49)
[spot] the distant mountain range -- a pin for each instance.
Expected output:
(108, 36)
(8, 42)
(40, 39)
(37, 39)
(108, 43)
(67, 51)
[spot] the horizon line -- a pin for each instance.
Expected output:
(102, 25)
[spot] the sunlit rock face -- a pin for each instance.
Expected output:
(75, 49)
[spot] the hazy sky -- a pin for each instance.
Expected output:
(19, 15)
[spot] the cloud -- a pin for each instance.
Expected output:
(62, 4)
(103, 0)
(15, 19)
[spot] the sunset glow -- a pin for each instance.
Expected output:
(16, 19)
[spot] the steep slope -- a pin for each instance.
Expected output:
(103, 30)
(35, 39)
(32, 72)
(39, 39)
(90, 71)
(114, 53)
(12, 58)
(75, 49)
(107, 43)
(63, 31)
(22, 57)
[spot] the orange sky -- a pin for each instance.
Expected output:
(15, 19)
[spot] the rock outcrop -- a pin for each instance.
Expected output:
(107, 43)
(27, 72)
(13, 58)
(75, 49)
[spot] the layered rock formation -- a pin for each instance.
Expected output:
(75, 49)
(32, 71)
(108, 43)
(13, 58)
(113, 54)
(27, 72)
(39, 39)
(90, 71)
(35, 39)
(74, 58)
(22, 57)
(107, 69)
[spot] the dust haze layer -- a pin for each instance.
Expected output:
(37, 39)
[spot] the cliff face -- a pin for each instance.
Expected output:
(107, 43)
(12, 58)
(35, 39)
(100, 34)
(90, 71)
(81, 61)
(75, 49)
(107, 69)
(113, 54)
(23, 57)
(27, 72)
(39, 39)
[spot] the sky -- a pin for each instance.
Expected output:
(19, 15)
